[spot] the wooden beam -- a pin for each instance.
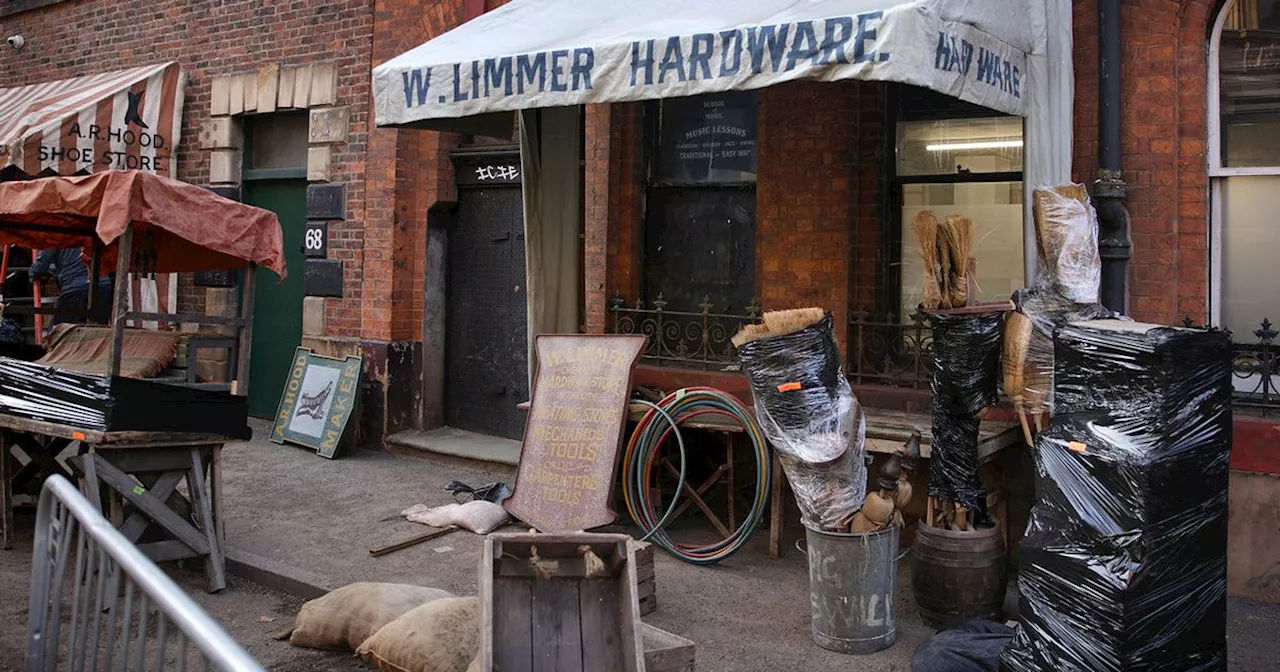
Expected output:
(178, 318)
(120, 305)
(245, 347)
(95, 269)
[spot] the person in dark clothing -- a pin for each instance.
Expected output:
(73, 283)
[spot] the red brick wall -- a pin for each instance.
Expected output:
(805, 195)
(1164, 74)
(211, 38)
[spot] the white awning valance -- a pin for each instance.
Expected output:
(553, 53)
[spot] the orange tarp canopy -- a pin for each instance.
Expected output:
(178, 227)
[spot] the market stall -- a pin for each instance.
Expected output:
(138, 438)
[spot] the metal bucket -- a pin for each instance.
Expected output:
(853, 580)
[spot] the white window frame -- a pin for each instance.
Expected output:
(1218, 173)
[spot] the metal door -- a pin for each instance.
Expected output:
(486, 325)
(277, 305)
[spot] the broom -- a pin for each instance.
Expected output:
(958, 236)
(778, 323)
(925, 226)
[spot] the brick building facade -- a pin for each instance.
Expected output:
(821, 193)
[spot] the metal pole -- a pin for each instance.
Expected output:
(1110, 189)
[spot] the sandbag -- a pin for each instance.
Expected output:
(346, 617)
(476, 515)
(440, 636)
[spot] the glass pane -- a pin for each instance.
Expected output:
(709, 138)
(956, 146)
(1250, 228)
(277, 140)
(996, 211)
(1249, 76)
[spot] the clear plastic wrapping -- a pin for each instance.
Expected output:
(1028, 343)
(807, 410)
(1067, 231)
(1123, 565)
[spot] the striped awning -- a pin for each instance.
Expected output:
(124, 120)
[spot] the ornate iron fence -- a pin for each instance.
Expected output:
(890, 351)
(683, 338)
(1256, 369)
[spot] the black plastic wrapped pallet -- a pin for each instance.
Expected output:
(87, 401)
(796, 376)
(953, 462)
(1123, 565)
(966, 356)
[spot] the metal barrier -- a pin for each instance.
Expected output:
(153, 629)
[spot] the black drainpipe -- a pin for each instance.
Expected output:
(1110, 189)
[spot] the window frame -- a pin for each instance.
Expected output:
(1218, 171)
(893, 238)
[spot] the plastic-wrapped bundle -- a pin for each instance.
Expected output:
(1123, 566)
(953, 464)
(1067, 232)
(807, 409)
(966, 356)
(1028, 343)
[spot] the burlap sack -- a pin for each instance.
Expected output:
(344, 618)
(475, 665)
(441, 636)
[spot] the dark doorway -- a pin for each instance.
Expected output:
(486, 323)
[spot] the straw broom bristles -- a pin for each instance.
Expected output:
(925, 226)
(778, 323)
(958, 234)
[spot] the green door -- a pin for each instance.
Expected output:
(277, 307)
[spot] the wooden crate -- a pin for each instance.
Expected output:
(646, 586)
(666, 652)
(566, 621)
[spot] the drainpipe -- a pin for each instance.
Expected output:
(1110, 189)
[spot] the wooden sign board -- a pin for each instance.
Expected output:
(317, 401)
(576, 417)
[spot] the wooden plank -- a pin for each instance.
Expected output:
(6, 492)
(93, 488)
(600, 606)
(215, 491)
(150, 461)
(137, 523)
(179, 318)
(120, 306)
(557, 626)
(511, 623)
(666, 652)
(243, 350)
(167, 551)
(139, 497)
(215, 564)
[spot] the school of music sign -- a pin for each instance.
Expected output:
(576, 417)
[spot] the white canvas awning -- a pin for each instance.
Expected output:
(1012, 56)
(551, 53)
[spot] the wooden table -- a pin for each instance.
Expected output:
(133, 478)
(887, 431)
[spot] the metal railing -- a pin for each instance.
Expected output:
(124, 611)
(889, 351)
(1255, 368)
(683, 338)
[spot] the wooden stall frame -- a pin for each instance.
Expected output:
(121, 315)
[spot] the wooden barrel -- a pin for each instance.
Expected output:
(958, 575)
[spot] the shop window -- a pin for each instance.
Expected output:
(969, 166)
(1245, 164)
(700, 222)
